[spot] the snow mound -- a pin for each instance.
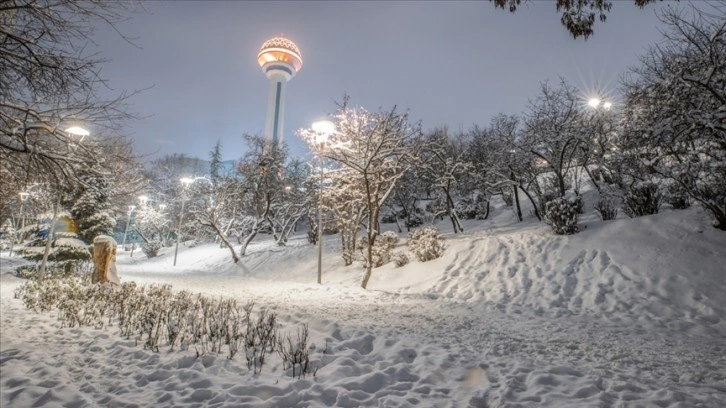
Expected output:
(663, 269)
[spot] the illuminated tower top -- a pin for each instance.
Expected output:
(280, 54)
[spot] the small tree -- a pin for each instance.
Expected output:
(379, 148)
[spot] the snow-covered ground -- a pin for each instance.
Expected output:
(624, 313)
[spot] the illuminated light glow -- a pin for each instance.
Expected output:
(186, 181)
(24, 196)
(325, 127)
(78, 131)
(607, 105)
(594, 102)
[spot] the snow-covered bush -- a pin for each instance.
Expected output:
(151, 248)
(382, 248)
(414, 221)
(562, 215)
(155, 314)
(399, 259)
(642, 199)
(426, 243)
(64, 247)
(388, 239)
(607, 208)
(472, 208)
(296, 355)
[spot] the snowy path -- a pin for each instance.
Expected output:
(502, 358)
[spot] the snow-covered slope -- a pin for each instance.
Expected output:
(663, 269)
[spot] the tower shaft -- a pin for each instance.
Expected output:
(274, 120)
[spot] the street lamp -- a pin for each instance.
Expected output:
(323, 129)
(186, 181)
(128, 221)
(78, 131)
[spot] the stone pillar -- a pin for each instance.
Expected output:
(104, 260)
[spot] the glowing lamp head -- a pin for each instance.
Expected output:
(607, 105)
(280, 55)
(594, 102)
(78, 131)
(186, 181)
(24, 196)
(323, 129)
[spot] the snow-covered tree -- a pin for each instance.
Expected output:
(443, 165)
(215, 162)
(675, 107)
(379, 149)
(49, 83)
(553, 132)
(151, 221)
(260, 171)
(295, 203)
(344, 199)
(91, 209)
(217, 208)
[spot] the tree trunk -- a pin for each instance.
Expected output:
(486, 215)
(561, 183)
(534, 205)
(49, 240)
(516, 200)
(452, 214)
(592, 178)
(225, 241)
(249, 238)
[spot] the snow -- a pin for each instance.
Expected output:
(627, 312)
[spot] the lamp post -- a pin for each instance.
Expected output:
(186, 181)
(128, 221)
(322, 130)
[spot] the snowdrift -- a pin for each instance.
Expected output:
(663, 268)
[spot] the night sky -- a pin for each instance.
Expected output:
(446, 63)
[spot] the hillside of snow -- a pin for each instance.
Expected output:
(629, 312)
